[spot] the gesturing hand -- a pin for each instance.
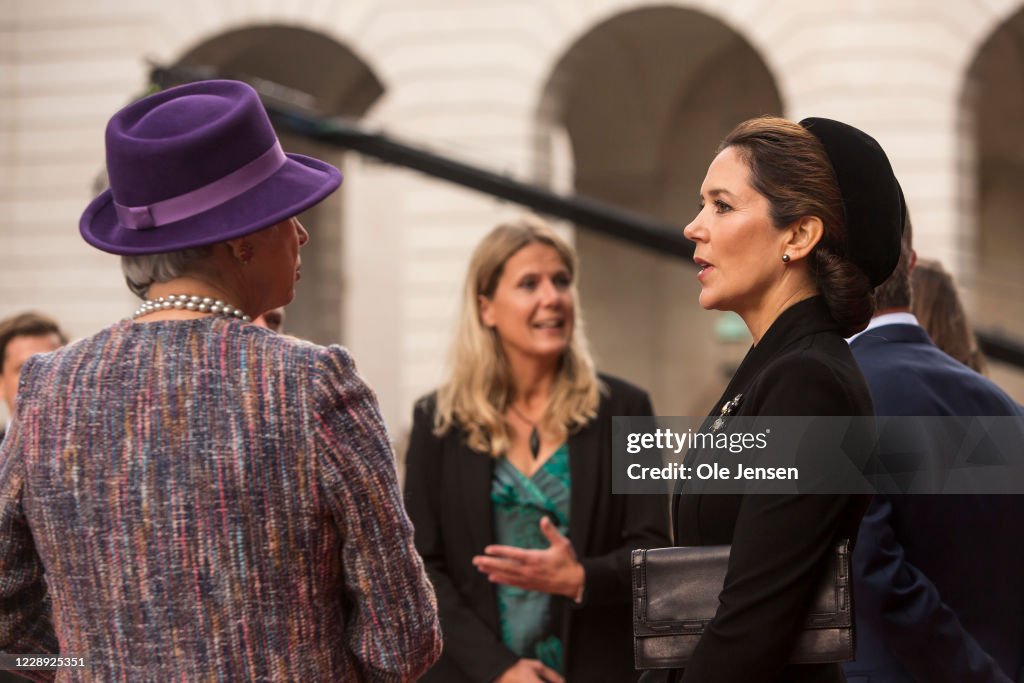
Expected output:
(554, 570)
(529, 671)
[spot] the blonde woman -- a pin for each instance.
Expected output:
(509, 479)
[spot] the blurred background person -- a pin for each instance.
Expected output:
(273, 319)
(21, 337)
(797, 222)
(937, 578)
(509, 479)
(208, 500)
(936, 305)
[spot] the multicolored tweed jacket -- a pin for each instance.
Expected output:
(207, 501)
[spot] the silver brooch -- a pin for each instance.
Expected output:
(727, 409)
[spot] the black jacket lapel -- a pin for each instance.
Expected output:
(584, 450)
(476, 473)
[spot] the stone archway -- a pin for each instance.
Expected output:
(993, 168)
(331, 79)
(644, 99)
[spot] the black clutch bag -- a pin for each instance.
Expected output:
(675, 596)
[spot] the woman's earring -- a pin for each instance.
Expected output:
(785, 258)
(244, 255)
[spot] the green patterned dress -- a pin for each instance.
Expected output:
(527, 627)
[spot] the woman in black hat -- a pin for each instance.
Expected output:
(797, 223)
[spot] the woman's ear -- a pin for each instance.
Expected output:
(802, 237)
(241, 249)
(486, 313)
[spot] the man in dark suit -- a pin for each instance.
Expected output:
(939, 580)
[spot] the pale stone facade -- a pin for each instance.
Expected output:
(620, 100)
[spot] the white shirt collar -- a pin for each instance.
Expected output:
(888, 319)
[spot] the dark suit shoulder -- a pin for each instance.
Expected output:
(620, 395)
(621, 388)
(425, 405)
(909, 377)
(819, 377)
(826, 361)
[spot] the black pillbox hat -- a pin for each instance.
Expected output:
(872, 199)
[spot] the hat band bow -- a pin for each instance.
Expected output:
(204, 198)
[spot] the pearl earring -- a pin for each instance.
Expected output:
(785, 258)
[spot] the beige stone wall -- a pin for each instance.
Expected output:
(67, 67)
(474, 79)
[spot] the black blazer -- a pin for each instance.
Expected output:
(801, 366)
(447, 495)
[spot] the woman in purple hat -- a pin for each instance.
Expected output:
(185, 496)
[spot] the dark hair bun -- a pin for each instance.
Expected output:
(846, 290)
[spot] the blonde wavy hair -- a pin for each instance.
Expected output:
(479, 388)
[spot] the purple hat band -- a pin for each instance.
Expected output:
(197, 165)
(205, 198)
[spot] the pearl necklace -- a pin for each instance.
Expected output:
(184, 302)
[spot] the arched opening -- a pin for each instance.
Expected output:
(644, 99)
(993, 170)
(329, 78)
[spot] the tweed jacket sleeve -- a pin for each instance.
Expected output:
(392, 628)
(25, 624)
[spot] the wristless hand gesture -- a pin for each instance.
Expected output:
(529, 671)
(554, 570)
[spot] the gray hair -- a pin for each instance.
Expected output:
(143, 270)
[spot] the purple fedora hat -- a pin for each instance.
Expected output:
(196, 165)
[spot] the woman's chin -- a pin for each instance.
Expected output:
(706, 301)
(548, 352)
(552, 353)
